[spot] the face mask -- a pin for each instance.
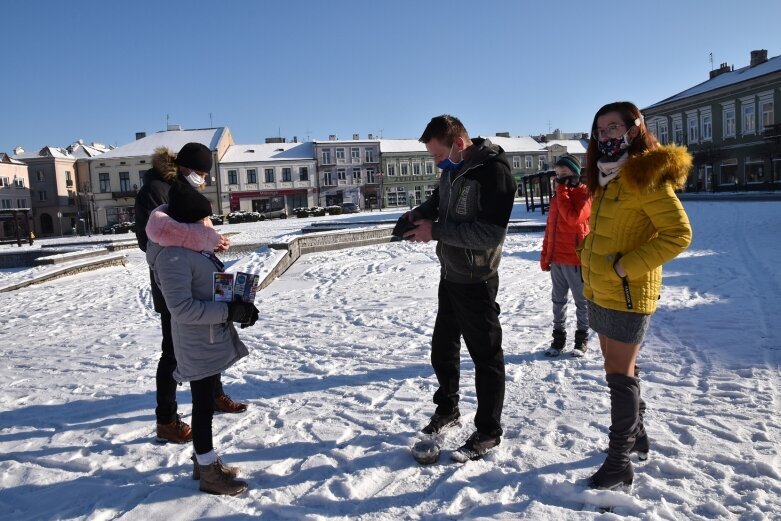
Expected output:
(447, 164)
(615, 146)
(195, 179)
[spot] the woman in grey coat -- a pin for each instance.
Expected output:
(205, 340)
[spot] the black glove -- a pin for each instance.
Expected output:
(243, 312)
(573, 180)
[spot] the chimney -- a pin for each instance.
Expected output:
(721, 70)
(758, 57)
(175, 126)
(356, 137)
(140, 135)
(295, 139)
(332, 137)
(502, 134)
(371, 136)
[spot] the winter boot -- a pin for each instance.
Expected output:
(624, 417)
(557, 346)
(232, 471)
(215, 480)
(441, 421)
(642, 445)
(223, 403)
(175, 432)
(475, 447)
(581, 343)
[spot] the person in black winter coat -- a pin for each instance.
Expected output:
(467, 215)
(154, 193)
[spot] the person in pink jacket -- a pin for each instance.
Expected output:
(567, 225)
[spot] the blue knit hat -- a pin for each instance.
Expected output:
(570, 162)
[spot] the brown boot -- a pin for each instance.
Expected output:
(216, 481)
(225, 404)
(176, 432)
(232, 471)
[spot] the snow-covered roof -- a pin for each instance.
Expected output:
(516, 144)
(47, 151)
(5, 158)
(269, 152)
(345, 141)
(81, 150)
(574, 146)
(726, 79)
(401, 145)
(174, 140)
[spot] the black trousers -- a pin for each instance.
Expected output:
(471, 311)
(165, 392)
(203, 411)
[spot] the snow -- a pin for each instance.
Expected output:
(516, 144)
(268, 152)
(174, 140)
(338, 381)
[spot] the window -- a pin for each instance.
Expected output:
(516, 162)
(303, 173)
(728, 114)
(5, 181)
(692, 137)
(749, 118)
(528, 162)
(397, 196)
(706, 126)
(19, 182)
(105, 186)
(429, 168)
(41, 177)
(418, 195)
(370, 176)
(728, 172)
(68, 179)
(391, 169)
(356, 175)
(404, 168)
(370, 155)
(341, 174)
(340, 154)
(416, 168)
(233, 177)
(268, 175)
(42, 195)
(287, 174)
(766, 108)
(754, 167)
(663, 135)
(678, 131)
(124, 181)
(20, 203)
(540, 162)
(355, 155)
(6, 203)
(327, 157)
(430, 190)
(327, 181)
(252, 176)
(777, 170)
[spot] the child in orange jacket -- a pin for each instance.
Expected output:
(567, 225)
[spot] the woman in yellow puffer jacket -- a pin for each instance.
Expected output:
(637, 224)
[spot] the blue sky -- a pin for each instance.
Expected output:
(101, 71)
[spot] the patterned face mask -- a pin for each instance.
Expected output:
(614, 146)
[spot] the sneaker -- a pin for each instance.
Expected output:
(475, 447)
(214, 480)
(175, 432)
(224, 403)
(231, 471)
(441, 421)
(581, 343)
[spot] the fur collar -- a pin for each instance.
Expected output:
(163, 161)
(653, 168)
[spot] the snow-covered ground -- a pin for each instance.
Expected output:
(338, 382)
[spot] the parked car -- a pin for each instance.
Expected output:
(350, 208)
(124, 227)
(273, 214)
(217, 219)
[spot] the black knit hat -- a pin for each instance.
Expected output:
(195, 156)
(186, 204)
(570, 162)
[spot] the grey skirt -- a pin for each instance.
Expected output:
(623, 326)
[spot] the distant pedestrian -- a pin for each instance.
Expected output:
(567, 225)
(637, 224)
(205, 340)
(467, 215)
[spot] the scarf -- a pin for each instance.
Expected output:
(608, 170)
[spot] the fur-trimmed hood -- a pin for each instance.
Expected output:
(163, 161)
(653, 168)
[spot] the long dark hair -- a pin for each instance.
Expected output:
(644, 141)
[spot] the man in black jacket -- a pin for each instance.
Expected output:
(153, 193)
(467, 215)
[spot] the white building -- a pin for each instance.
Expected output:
(268, 176)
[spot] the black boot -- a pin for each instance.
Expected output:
(559, 339)
(624, 417)
(581, 343)
(642, 445)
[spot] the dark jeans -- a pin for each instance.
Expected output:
(203, 412)
(471, 311)
(166, 385)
